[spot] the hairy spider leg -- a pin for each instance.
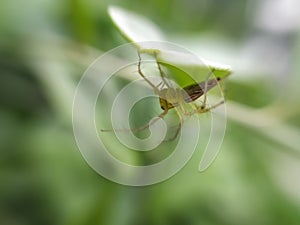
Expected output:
(205, 88)
(203, 108)
(143, 127)
(161, 72)
(199, 109)
(156, 91)
(144, 77)
(181, 120)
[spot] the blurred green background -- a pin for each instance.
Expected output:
(46, 45)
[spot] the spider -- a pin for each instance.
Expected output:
(176, 98)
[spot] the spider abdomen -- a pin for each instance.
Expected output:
(170, 98)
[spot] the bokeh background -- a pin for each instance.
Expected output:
(46, 45)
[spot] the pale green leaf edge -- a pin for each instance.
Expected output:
(138, 29)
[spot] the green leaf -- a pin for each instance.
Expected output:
(185, 67)
(134, 27)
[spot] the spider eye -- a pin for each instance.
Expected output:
(162, 107)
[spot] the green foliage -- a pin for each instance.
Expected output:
(149, 39)
(45, 48)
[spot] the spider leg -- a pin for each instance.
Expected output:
(200, 109)
(160, 84)
(178, 128)
(144, 77)
(143, 127)
(205, 88)
(162, 74)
